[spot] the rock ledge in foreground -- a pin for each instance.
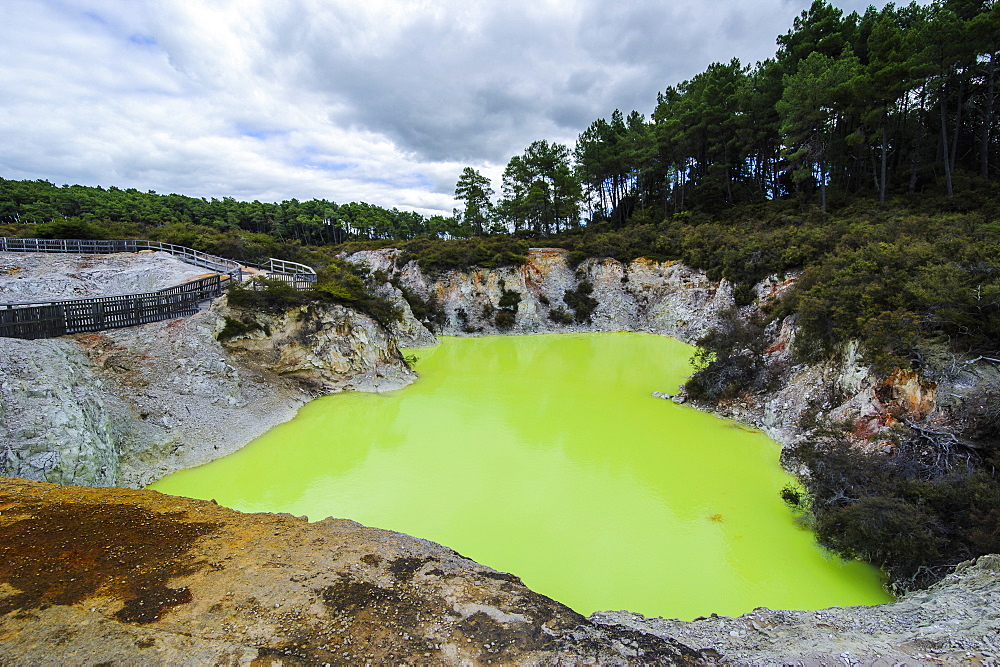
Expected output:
(124, 576)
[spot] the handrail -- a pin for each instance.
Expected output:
(278, 267)
(46, 319)
(104, 247)
(291, 268)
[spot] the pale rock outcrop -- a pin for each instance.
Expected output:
(955, 621)
(59, 421)
(325, 347)
(672, 299)
(642, 295)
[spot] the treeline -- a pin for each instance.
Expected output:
(312, 222)
(891, 102)
(897, 100)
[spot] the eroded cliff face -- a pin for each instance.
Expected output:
(58, 419)
(844, 390)
(324, 347)
(642, 295)
(956, 621)
(125, 407)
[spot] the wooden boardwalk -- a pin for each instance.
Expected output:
(48, 319)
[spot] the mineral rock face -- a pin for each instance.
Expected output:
(32, 276)
(138, 577)
(325, 347)
(115, 575)
(642, 295)
(672, 299)
(58, 420)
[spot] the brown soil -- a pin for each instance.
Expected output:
(117, 575)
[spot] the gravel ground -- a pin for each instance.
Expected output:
(956, 621)
(29, 276)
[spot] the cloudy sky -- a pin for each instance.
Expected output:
(381, 101)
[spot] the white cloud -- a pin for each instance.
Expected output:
(378, 101)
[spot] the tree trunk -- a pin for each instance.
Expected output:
(918, 142)
(944, 149)
(822, 186)
(878, 186)
(885, 151)
(958, 125)
(984, 166)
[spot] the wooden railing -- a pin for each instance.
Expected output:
(300, 275)
(47, 319)
(95, 247)
(58, 318)
(297, 275)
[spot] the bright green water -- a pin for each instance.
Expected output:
(547, 456)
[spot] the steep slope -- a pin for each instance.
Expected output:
(661, 297)
(125, 407)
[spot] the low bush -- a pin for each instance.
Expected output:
(505, 319)
(340, 282)
(71, 228)
(490, 252)
(580, 301)
(238, 327)
(730, 359)
(428, 311)
(509, 299)
(560, 315)
(915, 513)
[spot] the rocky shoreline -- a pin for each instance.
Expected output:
(122, 576)
(125, 407)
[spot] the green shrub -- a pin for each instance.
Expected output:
(71, 228)
(429, 311)
(509, 299)
(340, 282)
(580, 301)
(915, 513)
(730, 359)
(439, 255)
(505, 319)
(235, 328)
(270, 295)
(560, 315)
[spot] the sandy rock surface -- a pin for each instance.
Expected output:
(32, 276)
(119, 576)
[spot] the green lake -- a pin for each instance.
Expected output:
(548, 457)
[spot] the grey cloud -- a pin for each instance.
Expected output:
(252, 98)
(450, 91)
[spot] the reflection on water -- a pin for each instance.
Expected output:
(547, 456)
